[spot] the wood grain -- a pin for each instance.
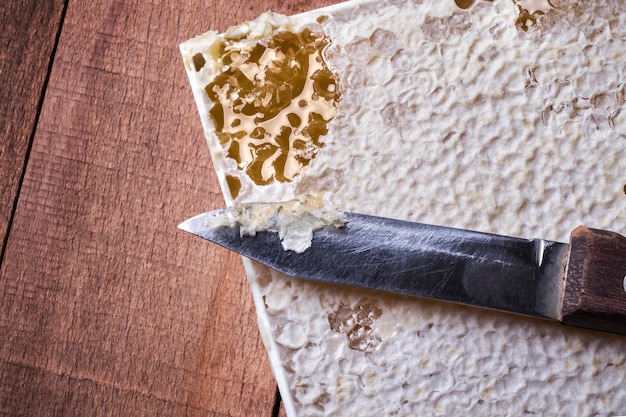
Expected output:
(105, 307)
(282, 412)
(594, 294)
(29, 29)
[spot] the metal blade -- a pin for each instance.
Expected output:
(510, 274)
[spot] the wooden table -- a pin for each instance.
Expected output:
(105, 307)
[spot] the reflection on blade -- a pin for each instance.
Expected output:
(503, 273)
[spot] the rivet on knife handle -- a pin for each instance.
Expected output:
(594, 294)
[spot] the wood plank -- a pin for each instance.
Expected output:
(282, 412)
(29, 29)
(105, 307)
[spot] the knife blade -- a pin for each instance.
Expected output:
(582, 283)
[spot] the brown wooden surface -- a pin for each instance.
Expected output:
(29, 30)
(595, 291)
(105, 307)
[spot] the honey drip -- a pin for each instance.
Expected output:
(272, 103)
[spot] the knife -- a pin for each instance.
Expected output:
(582, 283)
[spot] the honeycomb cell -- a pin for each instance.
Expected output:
(464, 4)
(356, 324)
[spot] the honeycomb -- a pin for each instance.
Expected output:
(272, 103)
(356, 323)
(504, 116)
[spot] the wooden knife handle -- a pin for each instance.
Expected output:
(594, 293)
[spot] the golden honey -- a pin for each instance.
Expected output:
(272, 104)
